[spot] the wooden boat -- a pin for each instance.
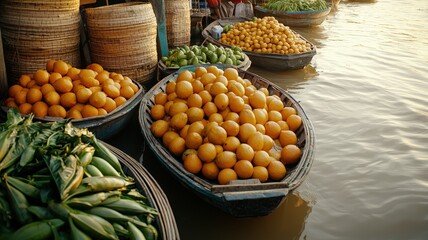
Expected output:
(102, 126)
(165, 221)
(294, 19)
(269, 61)
(240, 198)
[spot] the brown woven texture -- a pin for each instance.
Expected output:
(34, 32)
(177, 14)
(122, 38)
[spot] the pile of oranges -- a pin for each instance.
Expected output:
(224, 128)
(64, 91)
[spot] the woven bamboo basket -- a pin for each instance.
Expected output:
(178, 20)
(165, 221)
(241, 198)
(34, 32)
(122, 38)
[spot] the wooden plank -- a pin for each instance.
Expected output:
(84, 2)
(3, 77)
(159, 9)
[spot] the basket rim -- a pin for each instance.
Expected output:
(291, 181)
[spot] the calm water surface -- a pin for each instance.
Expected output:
(366, 92)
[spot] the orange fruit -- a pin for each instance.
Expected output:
(83, 95)
(117, 77)
(63, 85)
(68, 100)
(268, 143)
(89, 81)
(294, 122)
(287, 111)
(103, 76)
(57, 111)
(257, 99)
(261, 158)
(159, 127)
(210, 170)
(260, 128)
(233, 116)
(24, 80)
(52, 98)
(225, 159)
(183, 89)
(77, 86)
(237, 88)
(231, 144)
(54, 76)
(14, 89)
(274, 116)
(261, 115)
(31, 84)
(290, 154)
(207, 152)
(89, 111)
(172, 96)
(170, 87)
(231, 73)
(177, 107)
(199, 71)
(206, 97)
(276, 170)
(210, 108)
(217, 88)
(161, 98)
(11, 104)
(194, 100)
(50, 65)
(213, 69)
(111, 90)
(256, 141)
(224, 112)
(178, 121)
(40, 109)
(21, 96)
(101, 111)
(198, 86)
(231, 127)
(119, 101)
(25, 108)
(127, 92)
(221, 101)
(244, 169)
(283, 125)
(177, 146)
(222, 79)
(156, 112)
(60, 67)
(195, 114)
(272, 129)
(245, 131)
(226, 175)
(78, 107)
(217, 135)
(197, 127)
(87, 73)
(95, 67)
(193, 140)
(260, 173)
(247, 116)
(46, 88)
(192, 163)
(41, 77)
(74, 114)
(73, 73)
(168, 137)
(208, 78)
(185, 75)
(134, 87)
(98, 99)
(216, 117)
(287, 137)
(275, 105)
(236, 104)
(245, 152)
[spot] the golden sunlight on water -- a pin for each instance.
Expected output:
(366, 93)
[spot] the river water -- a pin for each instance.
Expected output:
(366, 93)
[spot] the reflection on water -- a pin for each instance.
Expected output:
(366, 94)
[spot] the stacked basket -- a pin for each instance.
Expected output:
(122, 38)
(177, 14)
(36, 31)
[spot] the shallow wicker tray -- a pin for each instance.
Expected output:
(165, 221)
(295, 19)
(243, 198)
(102, 126)
(271, 61)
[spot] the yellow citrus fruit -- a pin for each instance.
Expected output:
(231, 73)
(268, 143)
(261, 158)
(50, 65)
(40, 109)
(193, 140)
(21, 96)
(57, 111)
(283, 124)
(225, 159)
(199, 71)
(98, 99)
(217, 135)
(46, 88)
(294, 122)
(183, 131)
(73, 73)
(217, 88)
(257, 99)
(83, 95)
(245, 131)
(25, 108)
(207, 152)
(110, 105)
(168, 137)
(260, 173)
(177, 146)
(78, 107)
(185, 75)
(194, 100)
(14, 89)
(276, 105)
(245, 152)
(274, 116)
(195, 114)
(210, 170)
(208, 78)
(244, 169)
(184, 89)
(276, 170)
(290, 154)
(287, 111)
(256, 141)
(74, 114)
(210, 108)
(127, 92)
(272, 129)
(261, 115)
(60, 67)
(197, 127)
(237, 88)
(161, 98)
(87, 73)
(95, 67)
(198, 86)
(52, 98)
(159, 127)
(111, 90)
(178, 121)
(170, 87)
(226, 175)
(101, 111)
(233, 116)
(103, 76)
(206, 97)
(260, 128)
(41, 77)
(192, 163)
(231, 144)
(177, 107)
(221, 101)
(68, 100)
(236, 104)
(213, 69)
(54, 76)
(216, 117)
(247, 116)
(287, 137)
(157, 112)
(89, 111)
(63, 85)
(231, 127)
(34, 95)
(120, 101)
